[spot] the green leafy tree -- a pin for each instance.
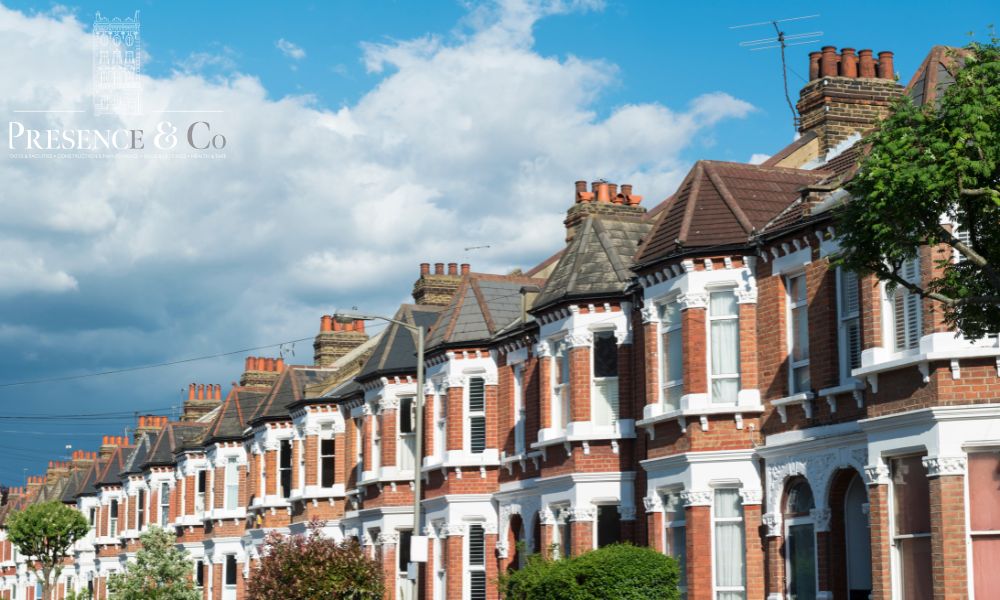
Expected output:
(928, 165)
(618, 571)
(44, 533)
(161, 571)
(314, 567)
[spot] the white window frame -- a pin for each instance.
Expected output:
(229, 589)
(469, 568)
(440, 424)
(140, 507)
(896, 571)
(596, 382)
(326, 435)
(231, 483)
(164, 504)
(114, 512)
(662, 330)
(376, 447)
(844, 320)
(469, 414)
(912, 332)
(791, 304)
(560, 408)
(665, 535)
(406, 440)
(709, 319)
(199, 495)
(520, 414)
(788, 523)
(716, 589)
(359, 448)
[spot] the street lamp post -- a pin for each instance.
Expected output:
(418, 401)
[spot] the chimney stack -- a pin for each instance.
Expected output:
(437, 288)
(197, 405)
(604, 198)
(260, 373)
(344, 336)
(153, 423)
(847, 94)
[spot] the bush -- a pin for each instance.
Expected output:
(619, 571)
(314, 567)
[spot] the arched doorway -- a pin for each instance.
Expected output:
(515, 541)
(800, 541)
(857, 541)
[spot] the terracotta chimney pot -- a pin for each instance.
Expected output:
(325, 323)
(279, 365)
(848, 63)
(425, 269)
(866, 64)
(814, 65)
(359, 326)
(465, 268)
(201, 391)
(191, 387)
(603, 193)
(218, 396)
(453, 268)
(885, 68)
(828, 62)
(439, 268)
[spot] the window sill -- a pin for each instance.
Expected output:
(699, 406)
(221, 514)
(803, 398)
(186, 521)
(584, 431)
(459, 459)
(315, 491)
(106, 540)
(853, 386)
(933, 347)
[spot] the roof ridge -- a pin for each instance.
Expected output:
(699, 170)
(484, 307)
(608, 248)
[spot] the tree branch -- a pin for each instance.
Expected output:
(973, 256)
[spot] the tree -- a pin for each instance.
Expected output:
(314, 567)
(618, 571)
(161, 571)
(927, 166)
(44, 533)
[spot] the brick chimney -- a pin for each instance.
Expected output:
(83, 459)
(847, 93)
(604, 198)
(261, 372)
(57, 469)
(108, 445)
(201, 400)
(336, 338)
(149, 424)
(34, 482)
(437, 288)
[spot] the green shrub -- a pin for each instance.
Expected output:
(619, 571)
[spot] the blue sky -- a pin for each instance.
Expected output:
(365, 137)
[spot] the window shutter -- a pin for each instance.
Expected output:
(849, 295)
(477, 563)
(477, 417)
(853, 330)
(913, 320)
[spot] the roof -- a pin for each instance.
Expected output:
(114, 466)
(88, 486)
(935, 74)
(174, 437)
(596, 262)
(721, 204)
(289, 387)
(796, 145)
(396, 352)
(483, 305)
(74, 484)
(137, 458)
(232, 419)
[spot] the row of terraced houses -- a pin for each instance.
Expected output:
(696, 376)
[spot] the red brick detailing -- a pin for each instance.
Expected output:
(775, 567)
(948, 537)
(651, 363)
(454, 568)
(699, 561)
(456, 418)
(878, 514)
(545, 366)
(579, 383)
(755, 548)
(581, 537)
(693, 332)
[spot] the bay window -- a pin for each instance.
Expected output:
(285, 468)
(113, 519)
(406, 458)
(608, 525)
(476, 541)
(848, 322)
(560, 386)
(675, 536)
(440, 425)
(604, 408)
(232, 483)
(724, 347)
(800, 544)
(905, 310)
(140, 509)
(199, 496)
(376, 420)
(164, 504)
(671, 348)
(912, 526)
(520, 414)
(476, 419)
(730, 549)
(984, 520)
(229, 589)
(359, 448)
(798, 334)
(326, 462)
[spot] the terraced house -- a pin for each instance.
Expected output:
(694, 375)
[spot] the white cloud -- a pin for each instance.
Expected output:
(468, 139)
(757, 158)
(289, 49)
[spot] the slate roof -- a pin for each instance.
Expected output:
(289, 388)
(596, 262)
(137, 458)
(935, 74)
(396, 352)
(482, 305)
(74, 484)
(114, 466)
(92, 475)
(720, 205)
(174, 437)
(233, 416)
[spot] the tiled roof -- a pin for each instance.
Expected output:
(722, 204)
(137, 458)
(239, 405)
(74, 484)
(396, 351)
(174, 437)
(289, 388)
(114, 466)
(91, 476)
(935, 74)
(597, 260)
(482, 305)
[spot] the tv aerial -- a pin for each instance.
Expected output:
(781, 40)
